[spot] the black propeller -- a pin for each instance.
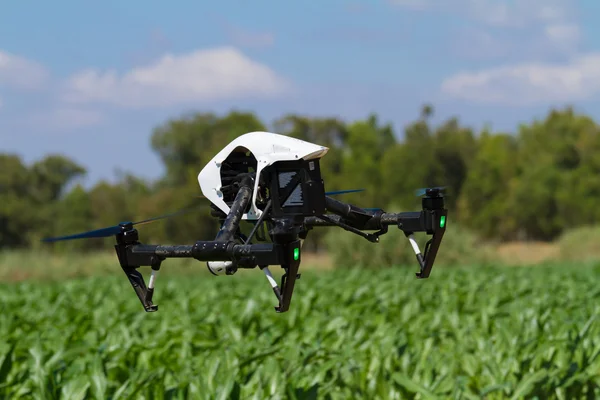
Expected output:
(113, 230)
(343, 192)
(333, 193)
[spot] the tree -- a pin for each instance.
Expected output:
(51, 175)
(453, 151)
(185, 145)
(549, 160)
(17, 210)
(74, 214)
(367, 142)
(329, 132)
(428, 157)
(483, 199)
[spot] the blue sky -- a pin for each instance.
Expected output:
(91, 80)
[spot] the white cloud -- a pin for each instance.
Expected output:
(19, 72)
(501, 28)
(530, 31)
(203, 75)
(529, 83)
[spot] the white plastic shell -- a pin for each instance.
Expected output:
(267, 148)
(218, 267)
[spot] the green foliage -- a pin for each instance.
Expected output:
(15, 212)
(497, 334)
(74, 214)
(427, 156)
(49, 177)
(361, 161)
(188, 143)
(460, 247)
(29, 194)
(551, 158)
(483, 202)
(580, 244)
(43, 265)
(531, 184)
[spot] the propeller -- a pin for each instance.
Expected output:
(430, 191)
(335, 192)
(113, 230)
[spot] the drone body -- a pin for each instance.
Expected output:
(259, 150)
(274, 182)
(261, 154)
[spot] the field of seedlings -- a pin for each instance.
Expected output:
(477, 333)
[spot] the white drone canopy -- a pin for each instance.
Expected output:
(267, 148)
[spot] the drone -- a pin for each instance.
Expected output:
(274, 182)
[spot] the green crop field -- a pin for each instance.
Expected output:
(464, 333)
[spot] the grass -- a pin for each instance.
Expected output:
(468, 333)
(16, 266)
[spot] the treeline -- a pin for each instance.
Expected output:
(533, 184)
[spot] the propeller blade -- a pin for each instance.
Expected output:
(113, 230)
(333, 193)
(97, 233)
(343, 192)
(146, 221)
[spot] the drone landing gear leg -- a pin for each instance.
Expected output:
(285, 234)
(272, 281)
(288, 281)
(136, 279)
(150, 291)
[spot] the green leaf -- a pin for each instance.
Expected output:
(413, 386)
(527, 384)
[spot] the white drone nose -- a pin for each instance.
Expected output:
(316, 154)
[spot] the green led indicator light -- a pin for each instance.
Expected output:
(296, 253)
(442, 221)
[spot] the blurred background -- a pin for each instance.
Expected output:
(109, 112)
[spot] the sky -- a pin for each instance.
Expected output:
(91, 80)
